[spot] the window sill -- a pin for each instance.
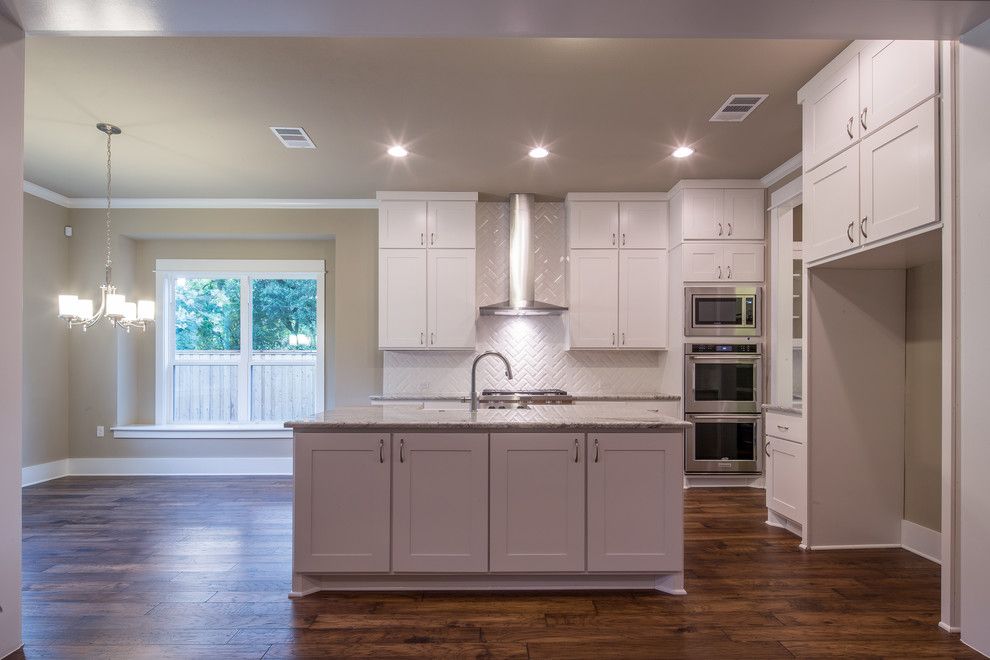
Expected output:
(202, 431)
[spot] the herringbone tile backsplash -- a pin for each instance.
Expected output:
(534, 345)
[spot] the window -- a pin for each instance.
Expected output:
(239, 341)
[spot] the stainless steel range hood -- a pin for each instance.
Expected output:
(522, 262)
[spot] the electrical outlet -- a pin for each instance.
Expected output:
(101, 431)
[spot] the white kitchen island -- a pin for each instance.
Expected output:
(403, 497)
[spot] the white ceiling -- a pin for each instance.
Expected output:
(196, 111)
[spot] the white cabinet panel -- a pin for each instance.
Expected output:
(898, 166)
(440, 503)
(703, 212)
(635, 501)
(744, 214)
(451, 224)
(743, 262)
(451, 291)
(401, 224)
(341, 502)
(830, 116)
(594, 298)
(643, 299)
(537, 502)
(592, 224)
(831, 206)
(643, 225)
(402, 298)
(701, 262)
(895, 76)
(787, 478)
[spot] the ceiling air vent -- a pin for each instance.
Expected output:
(292, 137)
(738, 106)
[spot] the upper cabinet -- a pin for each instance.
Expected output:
(615, 223)
(717, 214)
(829, 115)
(401, 224)
(643, 225)
(707, 261)
(592, 224)
(451, 224)
(423, 222)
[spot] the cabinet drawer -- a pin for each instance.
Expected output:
(788, 427)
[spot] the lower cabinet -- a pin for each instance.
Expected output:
(635, 502)
(440, 502)
(341, 508)
(537, 502)
(786, 478)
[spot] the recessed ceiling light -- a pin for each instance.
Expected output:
(538, 152)
(682, 152)
(398, 151)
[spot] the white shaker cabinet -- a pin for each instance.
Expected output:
(743, 262)
(402, 296)
(643, 225)
(643, 298)
(451, 298)
(401, 224)
(537, 502)
(702, 210)
(440, 503)
(592, 224)
(717, 261)
(787, 478)
(831, 206)
(895, 76)
(341, 509)
(451, 224)
(830, 115)
(710, 214)
(635, 501)
(744, 214)
(594, 298)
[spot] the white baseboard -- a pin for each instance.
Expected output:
(35, 474)
(262, 465)
(947, 628)
(856, 546)
(921, 541)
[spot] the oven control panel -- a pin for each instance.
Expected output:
(734, 349)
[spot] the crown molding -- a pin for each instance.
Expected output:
(195, 202)
(792, 164)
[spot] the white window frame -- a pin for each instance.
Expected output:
(167, 270)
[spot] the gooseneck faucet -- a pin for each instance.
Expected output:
(474, 375)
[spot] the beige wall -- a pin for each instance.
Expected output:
(112, 374)
(46, 340)
(923, 396)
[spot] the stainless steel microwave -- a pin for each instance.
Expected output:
(723, 311)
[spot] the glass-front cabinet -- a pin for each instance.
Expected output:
(787, 336)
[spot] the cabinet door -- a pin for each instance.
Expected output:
(537, 502)
(830, 116)
(440, 503)
(831, 206)
(452, 308)
(592, 224)
(451, 224)
(401, 224)
(787, 478)
(893, 77)
(643, 298)
(594, 298)
(643, 225)
(744, 214)
(743, 262)
(702, 262)
(402, 298)
(899, 171)
(703, 213)
(635, 501)
(341, 512)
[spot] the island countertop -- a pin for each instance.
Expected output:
(597, 417)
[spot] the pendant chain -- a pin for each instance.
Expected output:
(108, 207)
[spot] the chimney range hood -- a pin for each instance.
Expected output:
(522, 261)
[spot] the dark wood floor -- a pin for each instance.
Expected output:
(198, 567)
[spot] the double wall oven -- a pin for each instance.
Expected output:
(723, 385)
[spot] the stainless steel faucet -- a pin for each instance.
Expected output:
(474, 374)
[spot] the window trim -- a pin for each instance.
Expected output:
(243, 269)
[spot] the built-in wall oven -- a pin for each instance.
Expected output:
(723, 311)
(723, 385)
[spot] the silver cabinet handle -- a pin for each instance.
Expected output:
(623, 238)
(719, 272)
(720, 229)
(596, 450)
(730, 272)
(766, 447)
(862, 118)
(422, 238)
(433, 237)
(613, 339)
(613, 238)
(402, 450)
(623, 339)
(849, 232)
(433, 339)
(862, 226)
(849, 127)
(381, 450)
(577, 450)
(421, 339)
(730, 228)
(783, 428)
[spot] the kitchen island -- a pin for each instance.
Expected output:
(413, 497)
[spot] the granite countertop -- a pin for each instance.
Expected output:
(787, 410)
(602, 417)
(657, 396)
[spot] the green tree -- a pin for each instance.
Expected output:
(207, 314)
(282, 309)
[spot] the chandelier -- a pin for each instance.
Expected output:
(114, 307)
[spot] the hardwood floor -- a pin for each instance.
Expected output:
(198, 567)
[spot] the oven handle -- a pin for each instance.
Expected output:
(724, 358)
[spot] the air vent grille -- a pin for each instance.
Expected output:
(292, 137)
(738, 106)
